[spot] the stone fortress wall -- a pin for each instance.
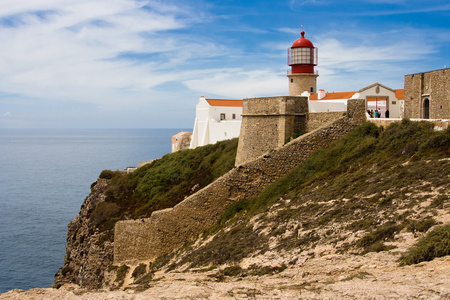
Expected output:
(267, 123)
(169, 229)
(433, 87)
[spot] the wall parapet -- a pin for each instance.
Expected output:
(167, 230)
(268, 122)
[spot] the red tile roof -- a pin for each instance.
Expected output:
(333, 96)
(400, 94)
(224, 102)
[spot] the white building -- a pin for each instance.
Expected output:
(377, 96)
(216, 120)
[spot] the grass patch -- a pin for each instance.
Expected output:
(139, 271)
(121, 273)
(421, 225)
(145, 279)
(439, 201)
(434, 244)
(232, 271)
(372, 241)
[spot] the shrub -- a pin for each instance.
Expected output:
(371, 242)
(108, 174)
(435, 244)
(421, 225)
(145, 279)
(139, 271)
(104, 211)
(232, 271)
(439, 201)
(121, 273)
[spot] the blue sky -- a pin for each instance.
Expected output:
(144, 64)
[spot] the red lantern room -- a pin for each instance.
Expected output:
(302, 56)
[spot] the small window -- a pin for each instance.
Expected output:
(222, 117)
(312, 90)
(234, 116)
(292, 80)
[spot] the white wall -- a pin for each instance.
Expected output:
(225, 130)
(209, 129)
(327, 105)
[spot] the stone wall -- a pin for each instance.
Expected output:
(316, 120)
(169, 229)
(433, 86)
(268, 122)
(143, 163)
(181, 141)
(356, 110)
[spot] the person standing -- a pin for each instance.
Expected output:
(386, 114)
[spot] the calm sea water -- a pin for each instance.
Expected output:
(45, 175)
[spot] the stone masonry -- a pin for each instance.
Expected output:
(427, 95)
(316, 120)
(267, 123)
(169, 229)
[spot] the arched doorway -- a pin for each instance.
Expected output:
(426, 109)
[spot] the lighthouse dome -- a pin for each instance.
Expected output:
(302, 42)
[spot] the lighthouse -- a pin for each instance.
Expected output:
(302, 57)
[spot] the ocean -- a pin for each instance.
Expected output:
(45, 176)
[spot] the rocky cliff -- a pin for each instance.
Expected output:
(89, 252)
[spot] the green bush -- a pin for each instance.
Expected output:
(121, 273)
(434, 244)
(421, 225)
(139, 271)
(104, 211)
(232, 271)
(439, 201)
(372, 242)
(108, 174)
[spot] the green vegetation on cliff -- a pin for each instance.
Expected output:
(162, 183)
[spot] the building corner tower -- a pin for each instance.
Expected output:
(302, 57)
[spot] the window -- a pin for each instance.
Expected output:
(312, 90)
(222, 117)
(234, 116)
(292, 80)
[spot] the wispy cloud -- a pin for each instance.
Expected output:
(76, 50)
(353, 59)
(238, 83)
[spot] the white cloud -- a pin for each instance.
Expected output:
(238, 84)
(72, 53)
(353, 59)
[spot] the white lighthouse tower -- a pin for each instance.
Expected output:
(302, 57)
